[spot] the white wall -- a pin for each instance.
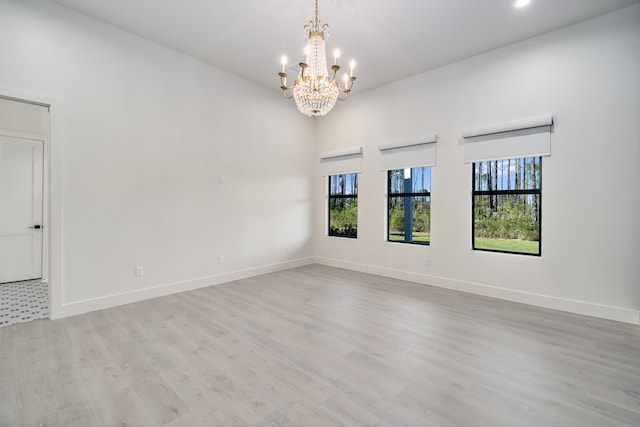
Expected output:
(587, 76)
(140, 135)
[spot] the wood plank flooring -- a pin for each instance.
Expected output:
(320, 346)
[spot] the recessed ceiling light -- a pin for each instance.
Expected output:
(522, 3)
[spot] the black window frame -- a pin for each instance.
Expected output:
(526, 191)
(405, 196)
(351, 233)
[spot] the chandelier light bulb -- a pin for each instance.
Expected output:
(336, 55)
(352, 64)
(284, 62)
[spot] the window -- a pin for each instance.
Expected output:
(343, 205)
(409, 205)
(507, 201)
(507, 194)
(342, 167)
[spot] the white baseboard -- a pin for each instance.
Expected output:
(79, 307)
(572, 306)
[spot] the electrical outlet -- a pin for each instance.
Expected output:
(139, 271)
(220, 259)
(427, 261)
(220, 179)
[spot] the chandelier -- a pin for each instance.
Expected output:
(314, 91)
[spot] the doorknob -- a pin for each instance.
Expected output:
(37, 227)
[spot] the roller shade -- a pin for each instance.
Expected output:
(415, 152)
(519, 138)
(348, 160)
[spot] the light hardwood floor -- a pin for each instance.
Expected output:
(319, 346)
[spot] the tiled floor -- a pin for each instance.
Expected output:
(23, 301)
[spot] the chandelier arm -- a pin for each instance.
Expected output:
(303, 66)
(351, 80)
(335, 68)
(283, 84)
(347, 87)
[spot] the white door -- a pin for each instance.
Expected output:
(21, 182)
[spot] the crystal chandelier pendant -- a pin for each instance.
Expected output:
(316, 90)
(316, 94)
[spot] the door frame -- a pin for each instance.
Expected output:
(51, 194)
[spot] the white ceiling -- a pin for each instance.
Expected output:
(390, 40)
